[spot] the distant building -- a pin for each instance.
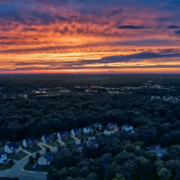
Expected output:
(3, 157)
(64, 91)
(81, 87)
(46, 159)
(91, 91)
(76, 132)
(88, 129)
(12, 147)
(29, 142)
(95, 87)
(48, 138)
(97, 126)
(63, 135)
(40, 92)
(113, 92)
(44, 89)
(112, 126)
(127, 127)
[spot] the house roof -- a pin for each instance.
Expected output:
(30, 139)
(48, 135)
(48, 157)
(89, 127)
(13, 144)
(78, 146)
(111, 123)
(63, 132)
(77, 129)
(97, 124)
(127, 126)
(94, 141)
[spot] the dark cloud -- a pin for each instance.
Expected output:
(173, 27)
(115, 12)
(132, 27)
(177, 32)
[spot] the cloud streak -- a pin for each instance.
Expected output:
(84, 34)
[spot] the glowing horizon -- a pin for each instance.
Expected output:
(38, 36)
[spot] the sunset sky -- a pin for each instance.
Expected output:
(89, 36)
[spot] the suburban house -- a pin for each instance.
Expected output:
(48, 138)
(12, 147)
(127, 127)
(46, 159)
(79, 146)
(76, 132)
(29, 142)
(97, 126)
(63, 135)
(92, 143)
(88, 129)
(159, 152)
(3, 157)
(112, 126)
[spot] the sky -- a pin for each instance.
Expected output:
(89, 36)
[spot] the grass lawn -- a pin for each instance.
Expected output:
(54, 143)
(6, 166)
(28, 167)
(17, 156)
(43, 169)
(69, 140)
(33, 150)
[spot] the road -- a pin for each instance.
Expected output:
(16, 171)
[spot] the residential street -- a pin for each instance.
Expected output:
(17, 171)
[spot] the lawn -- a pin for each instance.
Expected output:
(28, 167)
(6, 166)
(69, 140)
(43, 169)
(33, 150)
(17, 156)
(54, 143)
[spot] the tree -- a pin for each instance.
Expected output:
(119, 177)
(91, 176)
(164, 174)
(31, 160)
(48, 150)
(38, 155)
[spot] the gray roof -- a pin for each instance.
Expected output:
(13, 145)
(77, 129)
(63, 132)
(48, 157)
(30, 139)
(97, 124)
(48, 136)
(126, 125)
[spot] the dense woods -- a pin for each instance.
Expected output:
(120, 156)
